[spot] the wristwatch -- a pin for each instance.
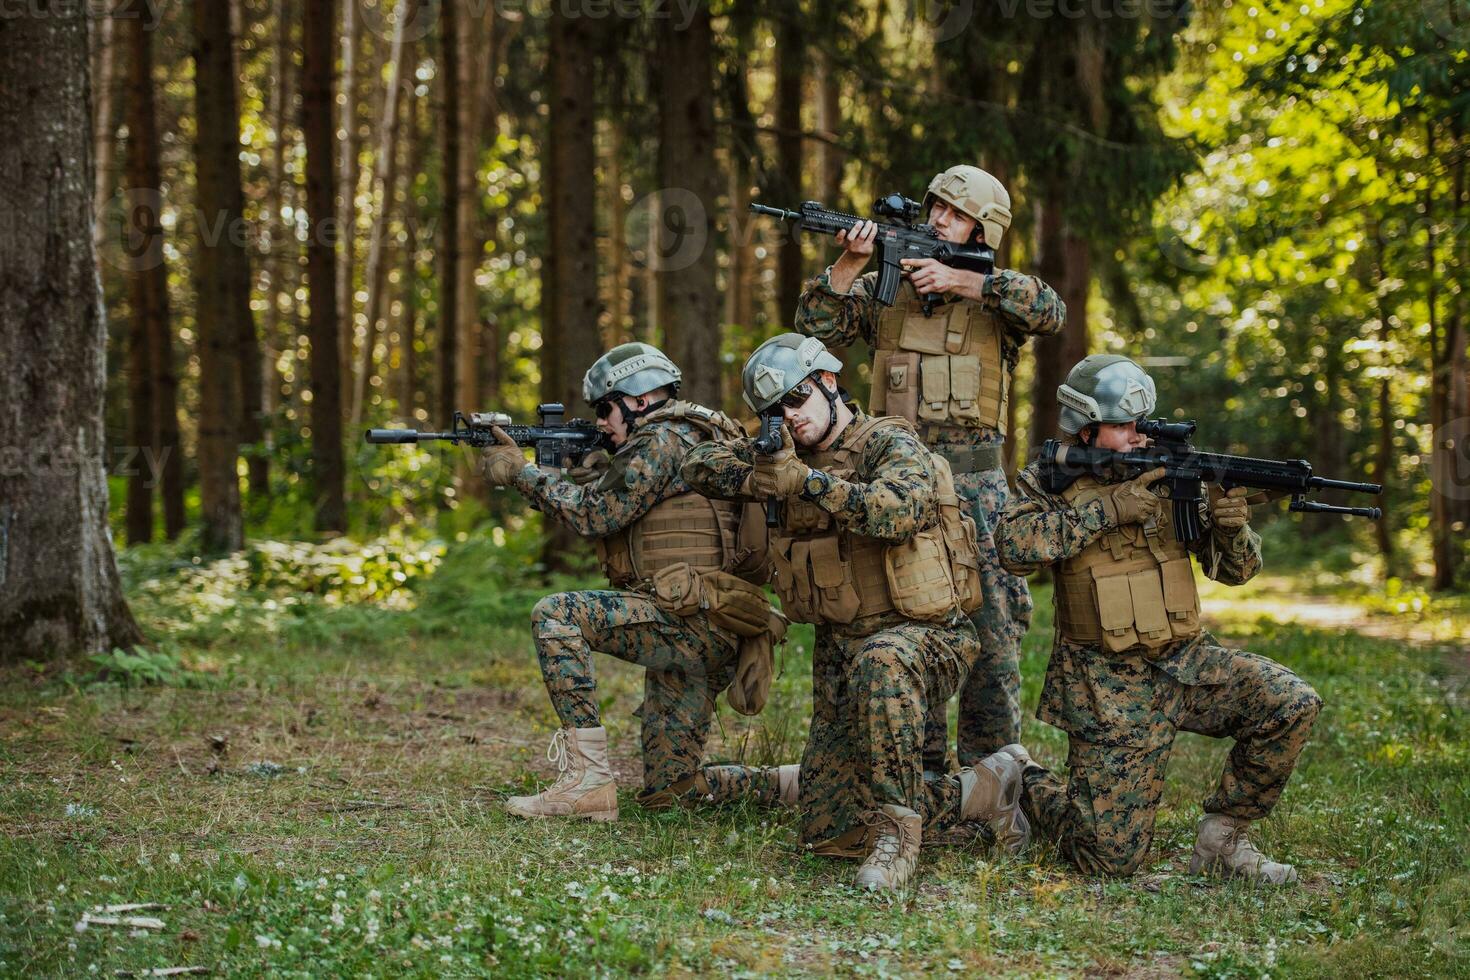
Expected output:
(817, 483)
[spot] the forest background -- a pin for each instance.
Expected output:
(277, 680)
(1266, 202)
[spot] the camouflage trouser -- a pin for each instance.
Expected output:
(990, 701)
(869, 697)
(687, 665)
(1102, 818)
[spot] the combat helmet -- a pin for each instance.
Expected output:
(1105, 388)
(629, 369)
(975, 194)
(782, 363)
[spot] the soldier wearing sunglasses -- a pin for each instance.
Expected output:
(949, 372)
(873, 549)
(660, 546)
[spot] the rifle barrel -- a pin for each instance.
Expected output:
(1322, 483)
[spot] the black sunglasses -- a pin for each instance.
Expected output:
(797, 397)
(604, 408)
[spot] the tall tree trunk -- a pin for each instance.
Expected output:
(1064, 262)
(105, 135)
(686, 160)
(569, 328)
(470, 248)
(447, 331)
(409, 328)
(349, 172)
(321, 267)
(743, 151)
(619, 328)
(385, 184)
(149, 271)
(829, 124)
(59, 587)
(142, 244)
(282, 255)
(791, 57)
(222, 280)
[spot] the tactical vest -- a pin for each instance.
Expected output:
(1131, 587)
(686, 529)
(947, 368)
(827, 574)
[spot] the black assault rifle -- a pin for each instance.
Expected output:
(553, 439)
(768, 443)
(902, 237)
(1186, 470)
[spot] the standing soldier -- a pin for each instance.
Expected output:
(664, 549)
(1130, 665)
(949, 373)
(872, 548)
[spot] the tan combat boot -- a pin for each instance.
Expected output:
(585, 789)
(991, 793)
(895, 853)
(1018, 752)
(788, 779)
(1222, 847)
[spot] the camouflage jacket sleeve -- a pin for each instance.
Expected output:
(1040, 529)
(1024, 302)
(1228, 559)
(720, 469)
(643, 473)
(894, 496)
(838, 319)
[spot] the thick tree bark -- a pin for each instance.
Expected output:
(385, 185)
(321, 268)
(691, 183)
(446, 250)
(148, 271)
(790, 61)
(59, 587)
(226, 328)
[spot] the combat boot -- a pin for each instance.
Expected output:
(1018, 752)
(584, 790)
(1222, 847)
(991, 793)
(895, 854)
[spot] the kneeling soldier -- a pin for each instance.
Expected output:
(665, 550)
(871, 547)
(1130, 665)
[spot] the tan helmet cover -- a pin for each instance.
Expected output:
(976, 194)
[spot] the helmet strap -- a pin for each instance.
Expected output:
(632, 415)
(832, 399)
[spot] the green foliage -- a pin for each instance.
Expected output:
(143, 668)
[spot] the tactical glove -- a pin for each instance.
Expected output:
(591, 469)
(1229, 511)
(1133, 502)
(500, 463)
(781, 475)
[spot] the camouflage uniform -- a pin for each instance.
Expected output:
(873, 678)
(1120, 710)
(990, 706)
(688, 661)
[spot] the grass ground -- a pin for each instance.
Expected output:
(311, 788)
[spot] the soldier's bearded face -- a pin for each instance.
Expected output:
(950, 224)
(809, 423)
(1120, 437)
